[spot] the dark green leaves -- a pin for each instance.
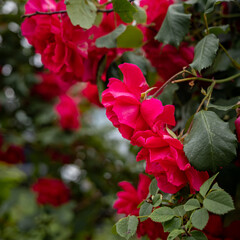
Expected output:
(175, 26)
(206, 185)
(81, 12)
(110, 40)
(153, 188)
(162, 214)
(205, 52)
(125, 10)
(191, 204)
(132, 37)
(211, 4)
(140, 16)
(145, 210)
(219, 29)
(127, 227)
(123, 37)
(218, 202)
(200, 218)
(210, 144)
(196, 235)
(166, 97)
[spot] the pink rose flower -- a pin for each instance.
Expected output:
(126, 107)
(128, 201)
(167, 162)
(68, 113)
(51, 191)
(51, 86)
(237, 125)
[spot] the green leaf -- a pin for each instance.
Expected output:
(210, 144)
(145, 210)
(162, 214)
(206, 185)
(11, 173)
(172, 235)
(167, 95)
(127, 227)
(175, 26)
(210, 5)
(110, 40)
(200, 218)
(218, 202)
(191, 204)
(196, 235)
(224, 108)
(179, 211)
(205, 52)
(172, 224)
(101, 85)
(132, 37)
(153, 188)
(81, 12)
(125, 10)
(219, 29)
(140, 16)
(157, 200)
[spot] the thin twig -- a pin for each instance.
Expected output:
(60, 12)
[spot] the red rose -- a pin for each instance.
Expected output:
(51, 191)
(13, 155)
(127, 108)
(128, 201)
(167, 161)
(51, 86)
(62, 46)
(68, 113)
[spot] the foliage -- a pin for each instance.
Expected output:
(168, 75)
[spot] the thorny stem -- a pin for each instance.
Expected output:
(168, 81)
(65, 11)
(207, 79)
(60, 12)
(208, 96)
(206, 23)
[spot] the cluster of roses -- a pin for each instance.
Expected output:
(70, 51)
(49, 190)
(144, 122)
(130, 198)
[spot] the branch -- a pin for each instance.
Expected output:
(60, 12)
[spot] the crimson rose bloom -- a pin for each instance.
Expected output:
(13, 155)
(167, 162)
(237, 125)
(62, 46)
(128, 201)
(51, 86)
(51, 191)
(215, 229)
(127, 108)
(68, 113)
